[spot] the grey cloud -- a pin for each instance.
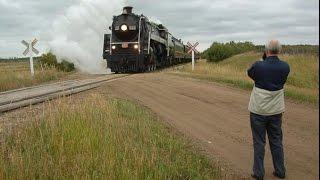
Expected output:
(25, 19)
(291, 21)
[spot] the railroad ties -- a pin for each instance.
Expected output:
(14, 99)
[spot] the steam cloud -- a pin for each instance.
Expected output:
(78, 35)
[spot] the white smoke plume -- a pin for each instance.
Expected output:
(154, 20)
(78, 35)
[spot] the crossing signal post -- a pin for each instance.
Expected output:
(192, 50)
(29, 51)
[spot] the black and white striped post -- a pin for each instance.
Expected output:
(192, 50)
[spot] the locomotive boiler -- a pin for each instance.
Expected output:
(137, 44)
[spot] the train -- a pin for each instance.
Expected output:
(137, 44)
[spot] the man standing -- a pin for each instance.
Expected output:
(266, 107)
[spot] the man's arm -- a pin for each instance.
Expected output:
(287, 72)
(251, 71)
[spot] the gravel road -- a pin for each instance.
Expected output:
(217, 117)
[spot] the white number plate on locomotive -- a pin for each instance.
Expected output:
(125, 45)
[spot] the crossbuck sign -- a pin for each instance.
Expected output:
(192, 50)
(29, 51)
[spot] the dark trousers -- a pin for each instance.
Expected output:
(260, 125)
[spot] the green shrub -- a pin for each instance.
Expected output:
(50, 60)
(220, 51)
(66, 66)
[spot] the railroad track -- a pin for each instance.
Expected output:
(14, 99)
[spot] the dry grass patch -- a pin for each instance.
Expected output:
(15, 75)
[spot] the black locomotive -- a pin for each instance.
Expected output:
(137, 45)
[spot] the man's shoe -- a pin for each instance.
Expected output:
(256, 177)
(279, 176)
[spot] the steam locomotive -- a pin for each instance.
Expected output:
(137, 44)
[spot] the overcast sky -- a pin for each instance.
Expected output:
(290, 21)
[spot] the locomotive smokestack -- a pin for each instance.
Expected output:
(127, 10)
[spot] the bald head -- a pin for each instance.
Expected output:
(273, 47)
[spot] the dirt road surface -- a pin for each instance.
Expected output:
(217, 117)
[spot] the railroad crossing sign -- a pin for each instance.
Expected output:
(30, 50)
(192, 50)
(192, 47)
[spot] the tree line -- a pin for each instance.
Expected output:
(296, 49)
(18, 59)
(45, 60)
(220, 51)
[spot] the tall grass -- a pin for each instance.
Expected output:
(302, 84)
(99, 138)
(17, 75)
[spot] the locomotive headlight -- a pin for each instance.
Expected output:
(124, 27)
(136, 46)
(113, 47)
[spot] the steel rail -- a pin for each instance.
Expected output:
(28, 100)
(33, 87)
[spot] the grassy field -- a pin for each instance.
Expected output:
(17, 75)
(99, 138)
(302, 84)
